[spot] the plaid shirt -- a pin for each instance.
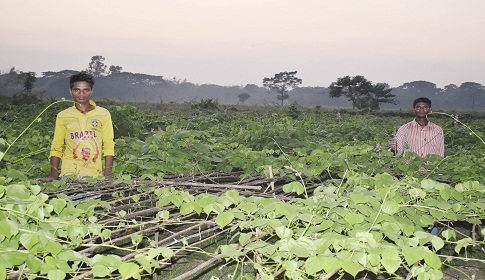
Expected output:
(411, 137)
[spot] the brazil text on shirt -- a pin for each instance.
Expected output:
(83, 134)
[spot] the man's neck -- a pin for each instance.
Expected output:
(422, 121)
(84, 108)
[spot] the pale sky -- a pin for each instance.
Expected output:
(228, 42)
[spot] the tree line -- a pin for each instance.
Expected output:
(357, 92)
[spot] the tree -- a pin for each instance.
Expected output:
(59, 74)
(115, 69)
(450, 88)
(29, 81)
(20, 78)
(422, 87)
(282, 83)
(470, 95)
(361, 92)
(471, 86)
(14, 78)
(26, 80)
(243, 97)
(97, 68)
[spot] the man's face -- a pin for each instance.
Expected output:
(86, 152)
(421, 109)
(81, 92)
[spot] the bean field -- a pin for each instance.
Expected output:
(201, 192)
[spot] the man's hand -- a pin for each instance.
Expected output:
(46, 179)
(392, 144)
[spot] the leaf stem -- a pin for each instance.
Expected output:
(457, 120)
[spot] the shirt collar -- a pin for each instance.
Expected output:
(415, 123)
(90, 102)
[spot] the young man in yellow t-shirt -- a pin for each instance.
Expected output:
(83, 134)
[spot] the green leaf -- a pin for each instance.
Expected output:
(417, 193)
(53, 247)
(330, 264)
(462, 243)
(17, 175)
(426, 220)
(100, 270)
(129, 270)
(295, 187)
(136, 238)
(390, 207)
(58, 204)
(437, 243)
(28, 240)
(352, 267)
(428, 184)
(166, 252)
(145, 262)
(286, 209)
(122, 213)
(186, 208)
(391, 260)
(108, 260)
(314, 264)
(231, 250)
(438, 215)
(16, 257)
(33, 263)
(354, 218)
(374, 259)
(56, 275)
(35, 189)
(412, 254)
(457, 195)
(244, 237)
(358, 198)
(284, 232)
(432, 260)
(164, 214)
(8, 228)
(247, 206)
(391, 265)
(300, 249)
(224, 218)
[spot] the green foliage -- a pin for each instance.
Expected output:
(354, 207)
(294, 111)
(25, 80)
(282, 83)
(97, 67)
(242, 97)
(19, 98)
(361, 92)
(206, 104)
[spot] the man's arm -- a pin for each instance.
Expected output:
(108, 166)
(54, 175)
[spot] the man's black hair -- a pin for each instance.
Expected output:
(422, 99)
(81, 77)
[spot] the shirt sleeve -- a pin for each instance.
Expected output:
(58, 140)
(108, 136)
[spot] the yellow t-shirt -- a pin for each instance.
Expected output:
(81, 140)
